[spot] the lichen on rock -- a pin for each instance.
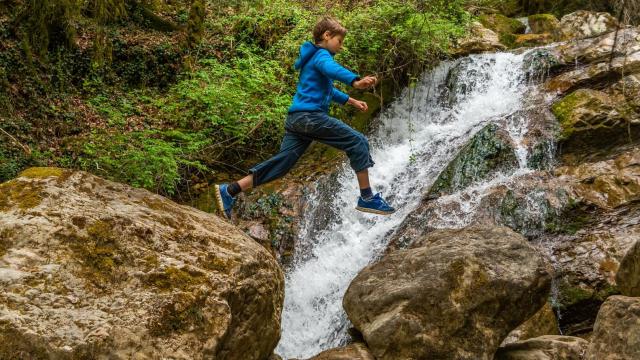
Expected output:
(84, 280)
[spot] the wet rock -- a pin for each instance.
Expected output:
(628, 276)
(586, 262)
(478, 40)
(627, 89)
(606, 184)
(544, 23)
(585, 24)
(91, 269)
(532, 40)
(624, 42)
(489, 151)
(595, 74)
(356, 351)
(592, 119)
(549, 347)
(544, 322)
(538, 63)
(455, 294)
(616, 335)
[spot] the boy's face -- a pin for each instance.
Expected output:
(333, 43)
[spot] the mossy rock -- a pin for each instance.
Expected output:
(502, 24)
(100, 252)
(488, 152)
(578, 306)
(539, 62)
(23, 195)
(532, 40)
(592, 121)
(43, 172)
(542, 156)
(543, 23)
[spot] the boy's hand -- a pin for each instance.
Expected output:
(366, 82)
(360, 105)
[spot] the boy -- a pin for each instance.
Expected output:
(308, 121)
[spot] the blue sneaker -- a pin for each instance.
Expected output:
(375, 205)
(224, 201)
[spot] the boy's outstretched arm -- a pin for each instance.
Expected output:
(342, 99)
(334, 71)
(338, 96)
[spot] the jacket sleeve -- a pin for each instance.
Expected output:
(338, 96)
(330, 68)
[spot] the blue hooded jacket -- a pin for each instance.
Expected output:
(315, 88)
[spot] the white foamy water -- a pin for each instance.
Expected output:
(415, 139)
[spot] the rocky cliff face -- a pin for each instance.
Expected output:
(95, 269)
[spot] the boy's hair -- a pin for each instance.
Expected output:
(329, 24)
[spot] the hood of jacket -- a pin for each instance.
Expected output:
(307, 50)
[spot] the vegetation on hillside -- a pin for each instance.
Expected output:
(160, 94)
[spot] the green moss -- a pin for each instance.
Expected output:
(564, 110)
(23, 194)
(42, 172)
(543, 23)
(502, 24)
(183, 313)
(100, 254)
(151, 261)
(215, 263)
(175, 278)
(570, 220)
(572, 295)
(543, 17)
(5, 236)
(508, 40)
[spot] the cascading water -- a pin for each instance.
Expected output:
(415, 139)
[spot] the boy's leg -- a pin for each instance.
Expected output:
(363, 179)
(333, 132)
(292, 147)
(328, 130)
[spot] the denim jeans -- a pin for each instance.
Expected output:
(301, 128)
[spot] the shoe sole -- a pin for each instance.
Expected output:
(372, 211)
(219, 201)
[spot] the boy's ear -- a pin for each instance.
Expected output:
(326, 35)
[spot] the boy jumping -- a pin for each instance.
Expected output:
(308, 120)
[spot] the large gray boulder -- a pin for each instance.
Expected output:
(616, 335)
(547, 347)
(479, 39)
(585, 24)
(455, 294)
(92, 269)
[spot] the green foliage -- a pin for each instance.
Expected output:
(155, 108)
(148, 159)
(240, 103)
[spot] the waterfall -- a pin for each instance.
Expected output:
(413, 141)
